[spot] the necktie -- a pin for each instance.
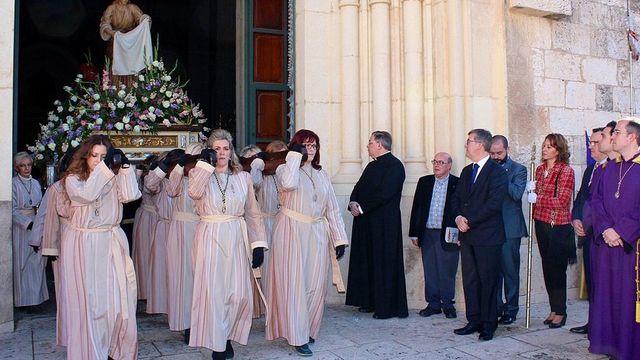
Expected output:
(474, 173)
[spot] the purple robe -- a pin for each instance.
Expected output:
(612, 327)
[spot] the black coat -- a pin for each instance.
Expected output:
(422, 206)
(376, 266)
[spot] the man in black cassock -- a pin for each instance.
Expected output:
(376, 268)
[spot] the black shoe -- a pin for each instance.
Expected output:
(450, 313)
(304, 350)
(506, 319)
(365, 309)
(467, 329)
(311, 340)
(428, 311)
(218, 355)
(558, 325)
(187, 336)
(382, 317)
(228, 352)
(485, 335)
(584, 329)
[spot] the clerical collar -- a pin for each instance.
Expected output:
(381, 155)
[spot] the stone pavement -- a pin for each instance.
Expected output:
(346, 334)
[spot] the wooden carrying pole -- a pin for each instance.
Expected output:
(532, 174)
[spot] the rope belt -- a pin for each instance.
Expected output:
(123, 273)
(27, 211)
(149, 208)
(185, 216)
(335, 268)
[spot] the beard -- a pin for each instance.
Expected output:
(501, 161)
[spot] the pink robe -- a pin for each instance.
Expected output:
(304, 232)
(98, 271)
(179, 247)
(222, 297)
(156, 183)
(29, 280)
(144, 227)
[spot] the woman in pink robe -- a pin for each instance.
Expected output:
(308, 226)
(97, 269)
(229, 240)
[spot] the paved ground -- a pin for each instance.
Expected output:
(346, 334)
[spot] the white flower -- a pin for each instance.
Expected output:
(166, 104)
(152, 109)
(119, 126)
(90, 126)
(71, 108)
(39, 156)
(166, 78)
(51, 125)
(74, 143)
(125, 119)
(152, 117)
(141, 77)
(96, 96)
(74, 98)
(120, 104)
(59, 109)
(143, 117)
(130, 104)
(52, 146)
(67, 89)
(65, 147)
(156, 63)
(144, 99)
(56, 103)
(69, 119)
(163, 88)
(98, 121)
(168, 93)
(166, 122)
(121, 93)
(152, 95)
(79, 76)
(40, 147)
(136, 128)
(96, 106)
(65, 127)
(82, 111)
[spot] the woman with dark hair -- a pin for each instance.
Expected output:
(97, 269)
(308, 226)
(229, 240)
(551, 194)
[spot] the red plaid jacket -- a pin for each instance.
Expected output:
(550, 200)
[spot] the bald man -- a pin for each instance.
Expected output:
(430, 215)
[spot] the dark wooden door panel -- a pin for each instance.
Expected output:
(268, 63)
(270, 107)
(268, 14)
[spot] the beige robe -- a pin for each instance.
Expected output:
(222, 299)
(29, 280)
(156, 183)
(299, 261)
(144, 227)
(179, 247)
(98, 271)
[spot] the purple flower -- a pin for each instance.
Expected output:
(96, 127)
(109, 126)
(148, 87)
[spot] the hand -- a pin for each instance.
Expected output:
(210, 156)
(183, 159)
(35, 248)
(258, 257)
(30, 226)
(164, 164)
(339, 251)
(532, 198)
(123, 158)
(577, 226)
(354, 208)
(52, 257)
(414, 241)
(531, 185)
(302, 150)
(462, 223)
(108, 158)
(262, 155)
(611, 237)
(153, 166)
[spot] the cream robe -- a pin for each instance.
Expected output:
(222, 300)
(144, 227)
(97, 268)
(299, 261)
(156, 183)
(29, 280)
(179, 244)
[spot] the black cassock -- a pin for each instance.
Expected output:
(376, 267)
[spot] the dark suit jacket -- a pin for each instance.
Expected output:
(422, 206)
(514, 224)
(482, 205)
(583, 195)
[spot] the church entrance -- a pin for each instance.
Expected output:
(232, 52)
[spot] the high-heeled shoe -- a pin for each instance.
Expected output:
(549, 319)
(554, 325)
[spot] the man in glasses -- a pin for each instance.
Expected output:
(515, 228)
(431, 214)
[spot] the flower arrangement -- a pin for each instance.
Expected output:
(153, 99)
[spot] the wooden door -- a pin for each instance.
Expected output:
(266, 71)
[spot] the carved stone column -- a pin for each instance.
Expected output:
(380, 64)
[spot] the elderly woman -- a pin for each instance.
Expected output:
(29, 281)
(551, 194)
(97, 269)
(308, 226)
(228, 242)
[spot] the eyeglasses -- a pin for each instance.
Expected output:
(311, 145)
(438, 162)
(472, 141)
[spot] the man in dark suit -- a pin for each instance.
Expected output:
(430, 215)
(581, 210)
(477, 204)
(376, 267)
(514, 227)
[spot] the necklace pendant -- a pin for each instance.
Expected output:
(315, 197)
(617, 195)
(224, 209)
(278, 206)
(97, 212)
(30, 203)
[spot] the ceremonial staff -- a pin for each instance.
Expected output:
(532, 172)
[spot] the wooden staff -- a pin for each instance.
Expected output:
(532, 175)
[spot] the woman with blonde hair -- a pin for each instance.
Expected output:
(97, 269)
(229, 241)
(551, 193)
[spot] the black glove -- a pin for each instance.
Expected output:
(339, 251)
(35, 248)
(258, 257)
(153, 166)
(262, 155)
(123, 158)
(302, 150)
(30, 226)
(108, 159)
(210, 156)
(164, 165)
(183, 159)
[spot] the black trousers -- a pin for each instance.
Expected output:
(554, 262)
(480, 267)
